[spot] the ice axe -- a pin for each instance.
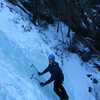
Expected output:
(34, 78)
(34, 68)
(33, 74)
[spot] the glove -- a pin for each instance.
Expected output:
(42, 84)
(39, 73)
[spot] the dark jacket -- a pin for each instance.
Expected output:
(55, 71)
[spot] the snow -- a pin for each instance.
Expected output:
(78, 77)
(22, 44)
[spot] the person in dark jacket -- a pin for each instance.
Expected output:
(56, 76)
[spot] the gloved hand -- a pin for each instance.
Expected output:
(42, 84)
(39, 73)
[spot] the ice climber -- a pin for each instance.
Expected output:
(56, 76)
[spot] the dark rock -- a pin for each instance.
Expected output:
(97, 66)
(23, 26)
(89, 75)
(95, 80)
(90, 89)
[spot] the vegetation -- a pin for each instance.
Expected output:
(81, 16)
